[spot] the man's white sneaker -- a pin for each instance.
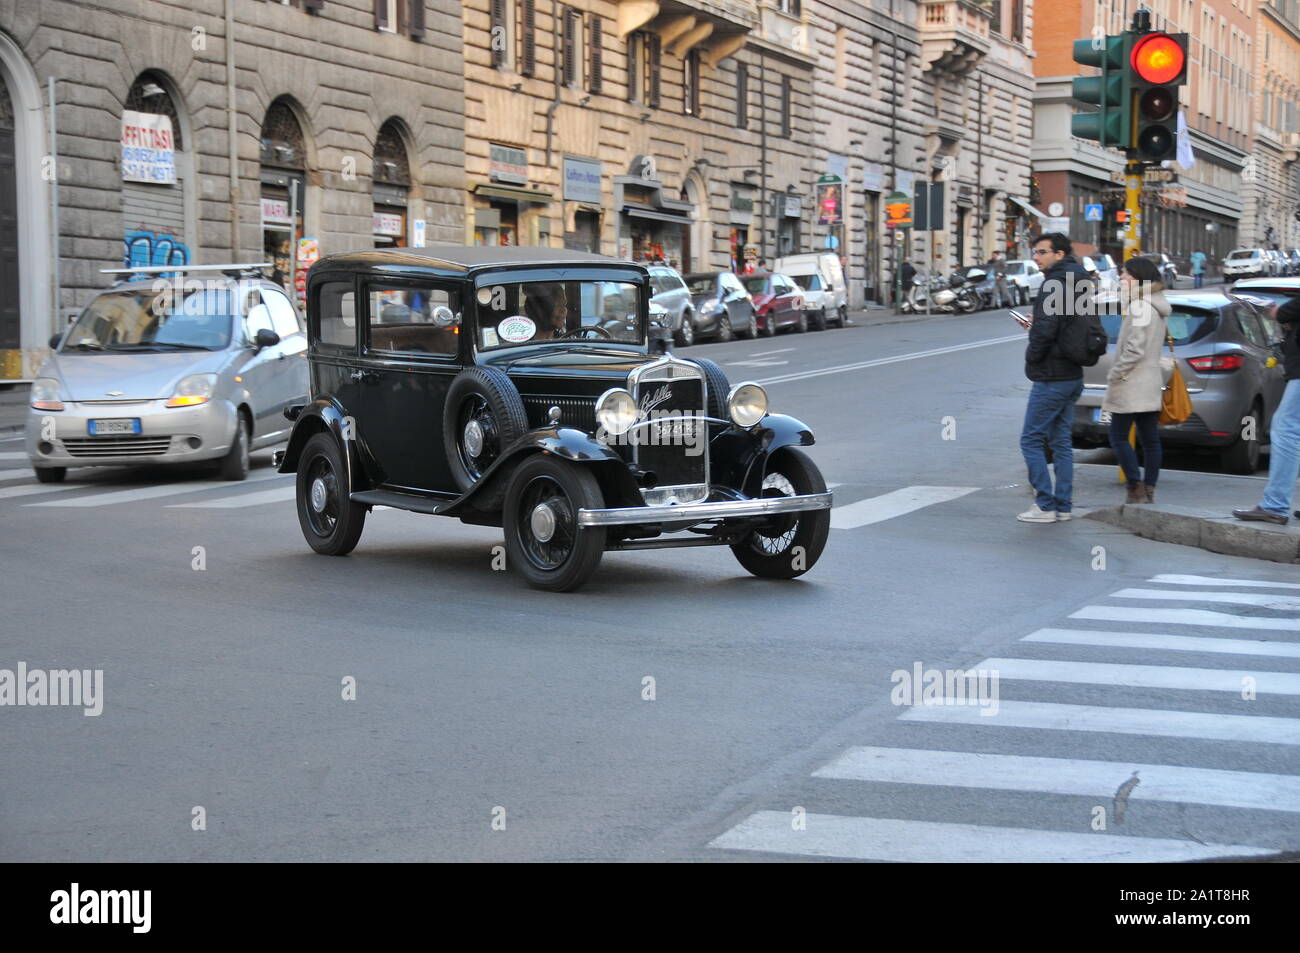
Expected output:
(1035, 515)
(1062, 516)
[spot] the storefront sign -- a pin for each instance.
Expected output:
(508, 164)
(899, 210)
(793, 206)
(873, 177)
(275, 212)
(582, 181)
(417, 233)
(308, 251)
(1056, 224)
(387, 224)
(742, 201)
(148, 149)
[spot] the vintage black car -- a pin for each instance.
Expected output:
(519, 387)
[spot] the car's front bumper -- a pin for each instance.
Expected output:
(167, 434)
(703, 512)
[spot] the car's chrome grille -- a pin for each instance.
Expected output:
(124, 446)
(577, 412)
(676, 451)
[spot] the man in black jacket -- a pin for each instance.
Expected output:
(1284, 434)
(1067, 291)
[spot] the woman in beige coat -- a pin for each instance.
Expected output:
(1134, 386)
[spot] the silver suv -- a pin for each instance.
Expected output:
(162, 370)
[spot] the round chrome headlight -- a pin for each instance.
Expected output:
(747, 404)
(616, 411)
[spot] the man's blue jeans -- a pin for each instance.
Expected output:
(1284, 457)
(1047, 424)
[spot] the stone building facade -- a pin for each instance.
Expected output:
(1271, 218)
(348, 130)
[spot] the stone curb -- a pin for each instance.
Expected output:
(1205, 529)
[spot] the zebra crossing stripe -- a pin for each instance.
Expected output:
(1002, 772)
(1170, 643)
(888, 839)
(277, 495)
(1202, 617)
(31, 489)
(1175, 579)
(8, 476)
(1141, 676)
(898, 503)
(1258, 729)
(1262, 600)
(154, 492)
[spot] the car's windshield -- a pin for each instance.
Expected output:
(532, 312)
(756, 286)
(1242, 253)
(702, 285)
(808, 282)
(1015, 268)
(153, 319)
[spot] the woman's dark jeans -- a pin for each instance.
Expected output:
(1148, 436)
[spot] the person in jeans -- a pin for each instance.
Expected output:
(1198, 268)
(1134, 387)
(1067, 290)
(1284, 434)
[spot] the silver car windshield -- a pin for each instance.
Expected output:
(535, 312)
(153, 320)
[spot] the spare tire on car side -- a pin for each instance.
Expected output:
(716, 386)
(483, 416)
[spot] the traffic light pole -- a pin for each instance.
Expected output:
(1133, 205)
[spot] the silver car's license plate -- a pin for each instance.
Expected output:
(1100, 416)
(115, 425)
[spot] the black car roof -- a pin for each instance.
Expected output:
(465, 258)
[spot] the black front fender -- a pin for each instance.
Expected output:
(322, 416)
(738, 457)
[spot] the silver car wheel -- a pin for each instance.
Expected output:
(473, 438)
(542, 522)
(319, 495)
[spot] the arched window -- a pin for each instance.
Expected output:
(392, 187)
(283, 155)
(153, 187)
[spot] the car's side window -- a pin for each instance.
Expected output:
(1249, 327)
(401, 319)
(257, 317)
(284, 320)
(336, 305)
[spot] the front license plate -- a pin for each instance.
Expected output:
(1100, 416)
(116, 425)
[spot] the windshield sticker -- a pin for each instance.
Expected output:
(490, 338)
(516, 329)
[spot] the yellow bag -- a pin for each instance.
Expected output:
(1176, 403)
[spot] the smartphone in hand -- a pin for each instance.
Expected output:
(1022, 320)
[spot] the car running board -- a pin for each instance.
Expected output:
(404, 501)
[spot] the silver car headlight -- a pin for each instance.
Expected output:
(193, 390)
(45, 394)
(747, 404)
(616, 411)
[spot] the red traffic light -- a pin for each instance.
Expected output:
(1158, 58)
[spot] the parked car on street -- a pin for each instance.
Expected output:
(721, 306)
(1293, 258)
(1025, 277)
(778, 301)
(1228, 354)
(1245, 263)
(671, 294)
(1275, 262)
(533, 401)
(820, 276)
(1103, 268)
(164, 370)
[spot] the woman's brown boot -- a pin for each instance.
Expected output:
(1135, 494)
(1150, 492)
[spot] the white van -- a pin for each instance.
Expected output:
(825, 293)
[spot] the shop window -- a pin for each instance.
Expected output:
(283, 159)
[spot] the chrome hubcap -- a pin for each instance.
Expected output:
(318, 495)
(542, 522)
(473, 438)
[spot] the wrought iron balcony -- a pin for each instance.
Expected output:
(955, 34)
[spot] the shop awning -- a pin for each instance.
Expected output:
(513, 194)
(1027, 207)
(635, 211)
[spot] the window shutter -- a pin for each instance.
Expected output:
(570, 61)
(742, 95)
(653, 78)
(497, 29)
(597, 55)
(528, 37)
(633, 66)
(381, 14)
(417, 19)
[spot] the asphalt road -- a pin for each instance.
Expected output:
(479, 700)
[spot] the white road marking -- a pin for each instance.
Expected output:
(1261, 729)
(1183, 617)
(277, 495)
(1170, 643)
(754, 363)
(1001, 772)
(880, 361)
(8, 476)
(31, 489)
(1264, 601)
(1175, 579)
(887, 839)
(780, 350)
(12, 455)
(831, 486)
(153, 492)
(1140, 676)
(896, 503)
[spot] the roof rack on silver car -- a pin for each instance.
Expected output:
(232, 270)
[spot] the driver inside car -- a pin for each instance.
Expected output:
(548, 307)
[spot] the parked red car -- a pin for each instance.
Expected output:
(778, 301)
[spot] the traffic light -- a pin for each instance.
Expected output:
(1157, 66)
(1109, 125)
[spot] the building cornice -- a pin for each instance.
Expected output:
(1291, 28)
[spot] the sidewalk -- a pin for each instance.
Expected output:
(13, 408)
(1191, 509)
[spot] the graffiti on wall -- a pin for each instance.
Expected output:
(146, 249)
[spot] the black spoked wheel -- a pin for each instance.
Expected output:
(543, 539)
(331, 522)
(790, 543)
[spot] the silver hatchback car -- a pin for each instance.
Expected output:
(163, 370)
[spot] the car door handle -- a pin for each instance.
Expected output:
(359, 376)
